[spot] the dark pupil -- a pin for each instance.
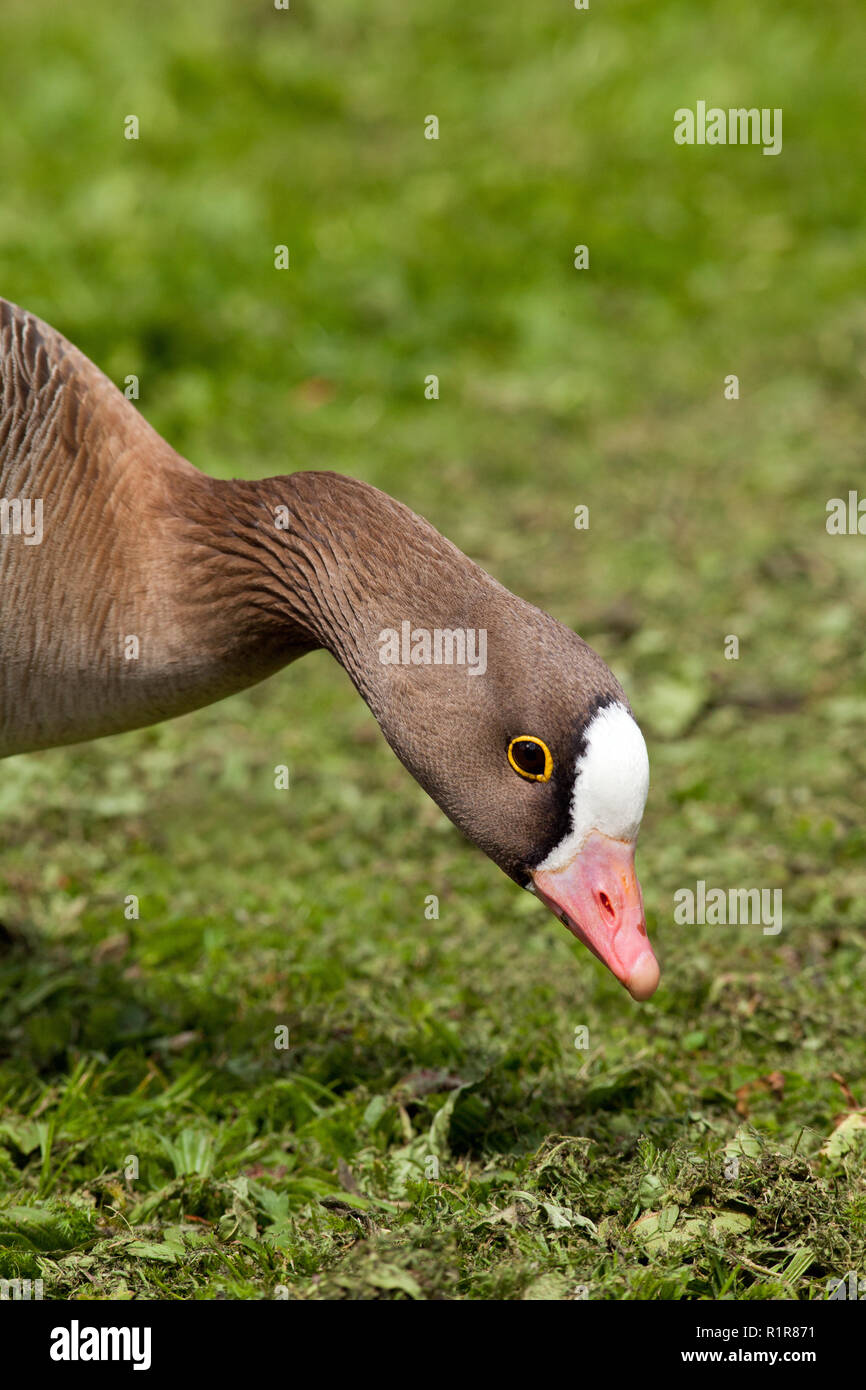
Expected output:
(530, 757)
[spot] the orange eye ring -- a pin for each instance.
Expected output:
(518, 750)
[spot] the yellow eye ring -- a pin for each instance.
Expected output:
(517, 748)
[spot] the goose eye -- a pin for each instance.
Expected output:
(531, 758)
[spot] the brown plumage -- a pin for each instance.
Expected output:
(219, 593)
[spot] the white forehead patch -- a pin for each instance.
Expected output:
(611, 783)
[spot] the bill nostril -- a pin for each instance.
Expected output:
(606, 905)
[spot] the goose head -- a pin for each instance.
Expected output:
(538, 759)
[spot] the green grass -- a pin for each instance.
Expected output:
(432, 1130)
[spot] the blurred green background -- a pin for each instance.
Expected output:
(453, 1040)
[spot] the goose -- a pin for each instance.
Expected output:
(134, 588)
